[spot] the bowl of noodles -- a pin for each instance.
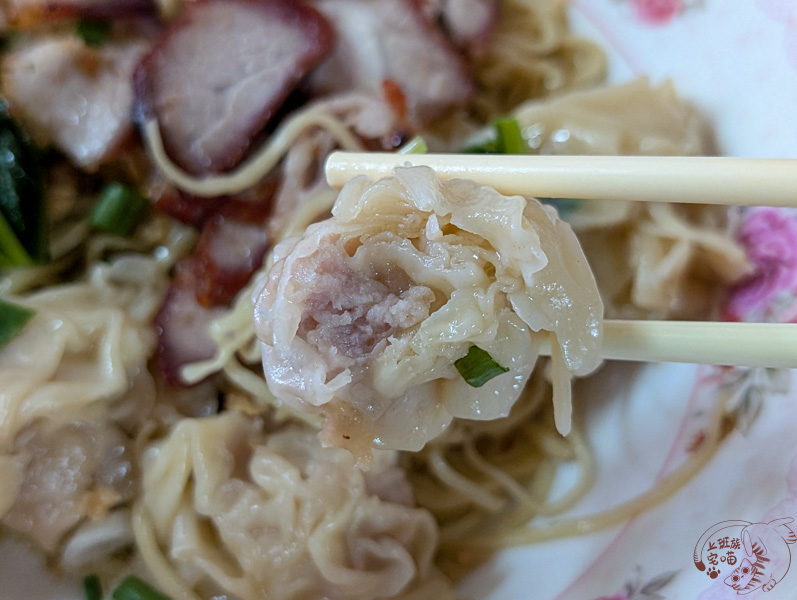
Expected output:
(221, 378)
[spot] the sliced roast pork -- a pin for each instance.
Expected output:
(392, 40)
(76, 98)
(28, 13)
(182, 326)
(231, 247)
(228, 253)
(222, 72)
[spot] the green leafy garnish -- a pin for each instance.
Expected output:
(92, 589)
(13, 319)
(416, 145)
(477, 367)
(133, 588)
(504, 137)
(23, 238)
(12, 252)
(8, 40)
(118, 210)
(93, 32)
(510, 138)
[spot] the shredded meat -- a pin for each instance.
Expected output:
(349, 313)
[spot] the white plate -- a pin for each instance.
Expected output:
(738, 62)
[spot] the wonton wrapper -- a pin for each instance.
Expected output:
(255, 515)
(73, 383)
(650, 260)
(363, 316)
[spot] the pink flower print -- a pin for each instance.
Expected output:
(656, 12)
(620, 596)
(769, 236)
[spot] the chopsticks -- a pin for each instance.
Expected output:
(772, 345)
(696, 180)
(689, 180)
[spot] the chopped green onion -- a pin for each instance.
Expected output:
(118, 209)
(94, 33)
(477, 367)
(416, 145)
(9, 40)
(504, 137)
(510, 139)
(133, 588)
(92, 588)
(12, 253)
(23, 238)
(13, 319)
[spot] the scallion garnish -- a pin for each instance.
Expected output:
(510, 139)
(13, 319)
(504, 137)
(133, 588)
(118, 209)
(416, 145)
(93, 32)
(477, 367)
(8, 40)
(12, 253)
(23, 238)
(92, 588)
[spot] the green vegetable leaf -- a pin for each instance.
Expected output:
(12, 253)
(118, 210)
(510, 138)
(133, 588)
(9, 40)
(23, 238)
(504, 137)
(477, 367)
(416, 145)
(92, 589)
(13, 319)
(93, 32)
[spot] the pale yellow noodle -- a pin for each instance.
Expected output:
(532, 56)
(475, 493)
(256, 168)
(660, 492)
(166, 579)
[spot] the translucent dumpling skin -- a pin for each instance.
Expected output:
(245, 513)
(363, 317)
